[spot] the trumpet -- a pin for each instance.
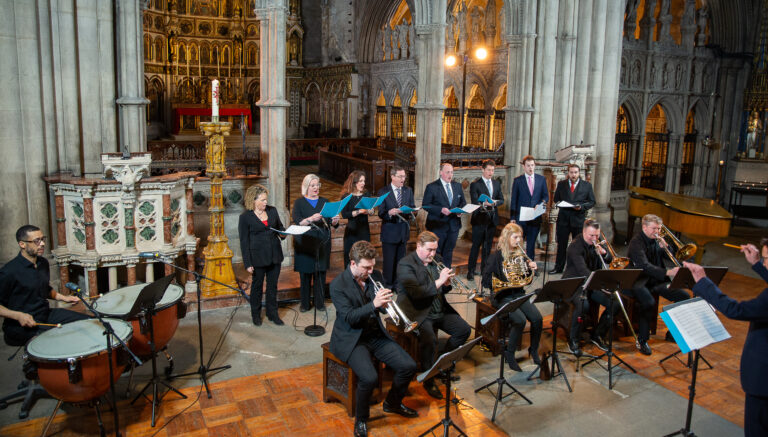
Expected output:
(682, 251)
(617, 263)
(394, 311)
(460, 286)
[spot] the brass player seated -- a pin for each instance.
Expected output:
(358, 332)
(508, 270)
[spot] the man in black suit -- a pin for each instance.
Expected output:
(578, 193)
(358, 332)
(395, 229)
(584, 258)
(646, 252)
(485, 219)
(440, 197)
(422, 299)
(754, 366)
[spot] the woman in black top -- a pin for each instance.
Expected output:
(509, 247)
(357, 219)
(312, 250)
(262, 253)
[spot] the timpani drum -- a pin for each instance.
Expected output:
(72, 360)
(118, 303)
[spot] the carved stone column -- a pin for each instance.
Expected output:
(131, 102)
(544, 80)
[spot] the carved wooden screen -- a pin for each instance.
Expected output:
(498, 129)
(411, 123)
(689, 151)
(475, 128)
(451, 128)
(381, 121)
(655, 150)
(397, 122)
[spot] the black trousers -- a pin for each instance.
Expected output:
(310, 281)
(581, 306)
(516, 322)
(392, 254)
(453, 324)
(482, 236)
(445, 245)
(562, 233)
(755, 416)
(647, 305)
(530, 232)
(272, 272)
(19, 335)
(394, 357)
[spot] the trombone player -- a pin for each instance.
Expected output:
(358, 332)
(647, 252)
(423, 283)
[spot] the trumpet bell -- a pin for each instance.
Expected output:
(410, 327)
(688, 251)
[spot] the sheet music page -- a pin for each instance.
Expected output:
(293, 230)
(694, 324)
(564, 204)
(528, 214)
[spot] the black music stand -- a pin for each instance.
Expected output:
(148, 298)
(557, 292)
(684, 279)
(444, 366)
(501, 381)
(611, 282)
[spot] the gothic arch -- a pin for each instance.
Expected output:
(701, 114)
(410, 86)
(632, 108)
(672, 112)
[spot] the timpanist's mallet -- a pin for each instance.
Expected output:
(733, 246)
(54, 325)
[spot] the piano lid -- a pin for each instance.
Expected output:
(682, 203)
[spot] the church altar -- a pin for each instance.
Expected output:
(187, 118)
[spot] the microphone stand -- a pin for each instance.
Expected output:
(205, 368)
(109, 332)
(315, 330)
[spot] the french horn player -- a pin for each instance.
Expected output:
(506, 273)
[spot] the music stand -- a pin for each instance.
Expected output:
(610, 282)
(557, 292)
(684, 279)
(148, 298)
(501, 381)
(444, 366)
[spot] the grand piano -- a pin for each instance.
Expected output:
(701, 220)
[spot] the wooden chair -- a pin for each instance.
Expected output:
(340, 382)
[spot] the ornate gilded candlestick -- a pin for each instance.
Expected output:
(217, 254)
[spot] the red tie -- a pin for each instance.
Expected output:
(573, 187)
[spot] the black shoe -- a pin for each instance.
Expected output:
(535, 356)
(400, 409)
(509, 356)
(432, 390)
(643, 347)
(573, 347)
(304, 309)
(556, 270)
(361, 429)
(277, 321)
(598, 341)
(257, 321)
(322, 308)
(455, 378)
(669, 337)
(470, 276)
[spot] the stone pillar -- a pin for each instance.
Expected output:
(608, 105)
(131, 101)
(92, 280)
(564, 77)
(674, 157)
(581, 71)
(596, 86)
(63, 277)
(149, 273)
(112, 271)
(271, 15)
(544, 85)
(430, 45)
(130, 273)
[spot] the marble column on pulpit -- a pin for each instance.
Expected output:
(271, 15)
(131, 101)
(608, 106)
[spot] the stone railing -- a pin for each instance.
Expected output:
(175, 156)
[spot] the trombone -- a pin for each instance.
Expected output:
(682, 251)
(394, 311)
(617, 263)
(617, 266)
(460, 286)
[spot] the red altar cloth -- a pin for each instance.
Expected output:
(178, 112)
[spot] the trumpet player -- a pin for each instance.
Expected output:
(422, 299)
(509, 248)
(646, 252)
(358, 332)
(583, 258)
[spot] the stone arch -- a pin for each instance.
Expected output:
(159, 49)
(701, 114)
(672, 111)
(632, 108)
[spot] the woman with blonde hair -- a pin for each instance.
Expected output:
(357, 219)
(262, 253)
(510, 248)
(312, 250)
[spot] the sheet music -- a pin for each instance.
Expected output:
(468, 208)
(528, 214)
(564, 204)
(293, 230)
(694, 324)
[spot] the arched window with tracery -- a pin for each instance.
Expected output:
(451, 127)
(689, 150)
(397, 117)
(412, 118)
(498, 119)
(381, 116)
(475, 120)
(621, 150)
(655, 150)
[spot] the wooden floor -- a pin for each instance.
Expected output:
(283, 403)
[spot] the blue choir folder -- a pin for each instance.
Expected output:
(332, 209)
(371, 202)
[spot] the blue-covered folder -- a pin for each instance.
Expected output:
(371, 202)
(332, 209)
(485, 198)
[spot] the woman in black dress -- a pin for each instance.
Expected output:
(262, 253)
(312, 250)
(509, 248)
(357, 219)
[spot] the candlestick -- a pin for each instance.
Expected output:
(215, 100)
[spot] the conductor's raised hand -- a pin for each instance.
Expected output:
(750, 253)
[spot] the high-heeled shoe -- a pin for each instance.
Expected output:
(535, 356)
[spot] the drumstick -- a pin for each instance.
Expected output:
(55, 325)
(732, 246)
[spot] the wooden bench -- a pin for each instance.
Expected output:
(495, 329)
(340, 382)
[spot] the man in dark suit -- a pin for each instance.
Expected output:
(422, 299)
(646, 252)
(528, 190)
(578, 193)
(754, 366)
(440, 197)
(358, 332)
(485, 219)
(395, 229)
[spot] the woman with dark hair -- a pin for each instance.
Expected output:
(262, 253)
(357, 219)
(312, 249)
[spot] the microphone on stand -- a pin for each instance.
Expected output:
(74, 287)
(149, 254)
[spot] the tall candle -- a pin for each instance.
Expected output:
(215, 99)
